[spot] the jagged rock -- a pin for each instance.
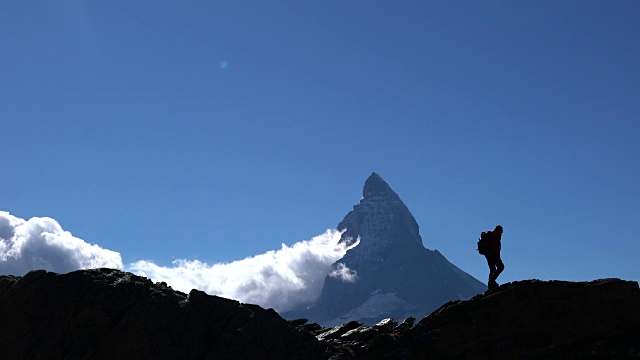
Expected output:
(338, 331)
(406, 324)
(386, 324)
(109, 314)
(298, 322)
(314, 328)
(361, 333)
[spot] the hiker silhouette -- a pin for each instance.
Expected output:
(492, 253)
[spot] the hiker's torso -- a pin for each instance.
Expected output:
(494, 245)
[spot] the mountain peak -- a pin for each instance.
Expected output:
(380, 220)
(394, 274)
(375, 186)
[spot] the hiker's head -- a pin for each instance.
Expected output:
(498, 229)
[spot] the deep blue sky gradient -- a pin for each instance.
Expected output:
(118, 120)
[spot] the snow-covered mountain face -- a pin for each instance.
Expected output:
(389, 273)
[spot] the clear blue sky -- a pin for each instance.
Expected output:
(217, 130)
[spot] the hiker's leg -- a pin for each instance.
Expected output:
(492, 267)
(499, 268)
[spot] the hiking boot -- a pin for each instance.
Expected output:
(493, 284)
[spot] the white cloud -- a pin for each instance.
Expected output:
(283, 279)
(41, 243)
(343, 273)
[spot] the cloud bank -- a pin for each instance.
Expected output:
(40, 243)
(285, 279)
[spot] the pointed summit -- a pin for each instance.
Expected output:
(375, 186)
(381, 220)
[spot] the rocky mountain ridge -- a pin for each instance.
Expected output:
(529, 319)
(110, 314)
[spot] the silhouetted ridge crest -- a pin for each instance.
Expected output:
(528, 319)
(109, 314)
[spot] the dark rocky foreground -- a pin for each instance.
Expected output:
(523, 320)
(109, 314)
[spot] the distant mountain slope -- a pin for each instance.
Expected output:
(391, 273)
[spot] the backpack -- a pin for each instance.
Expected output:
(483, 242)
